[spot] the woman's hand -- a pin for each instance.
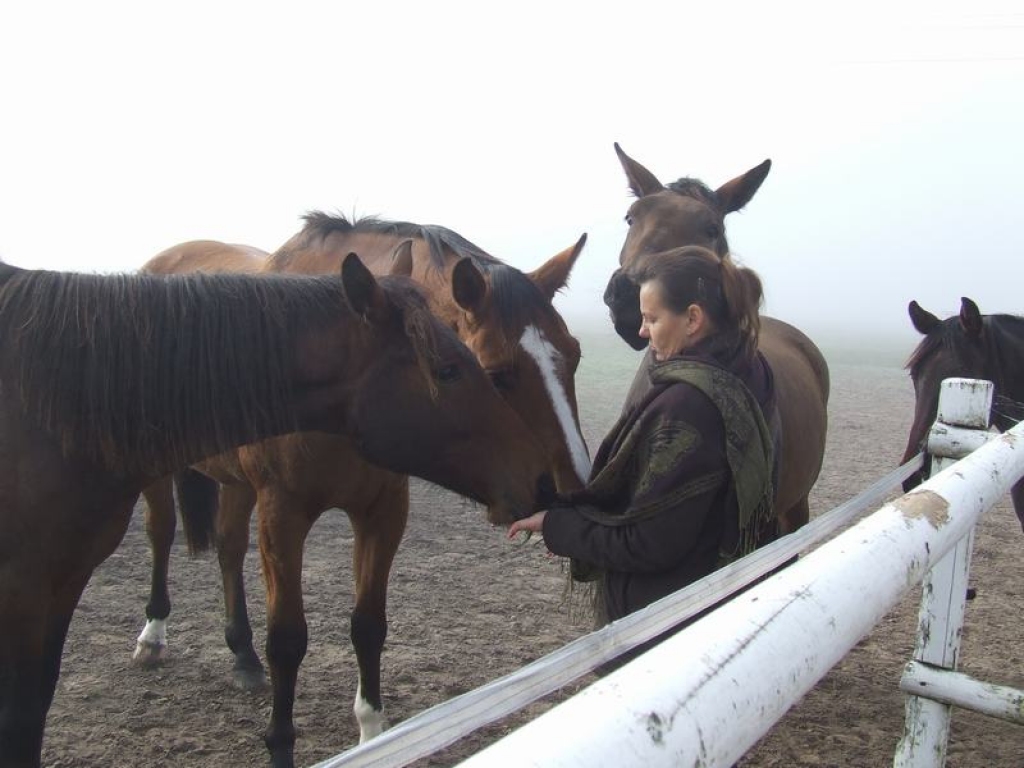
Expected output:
(532, 524)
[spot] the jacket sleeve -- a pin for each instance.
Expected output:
(669, 473)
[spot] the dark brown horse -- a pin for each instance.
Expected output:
(686, 212)
(110, 382)
(971, 346)
(506, 318)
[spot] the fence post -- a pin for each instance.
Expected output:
(964, 404)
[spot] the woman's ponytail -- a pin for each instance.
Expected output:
(743, 295)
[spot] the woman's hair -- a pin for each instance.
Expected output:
(730, 294)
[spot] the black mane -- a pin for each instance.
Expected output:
(143, 373)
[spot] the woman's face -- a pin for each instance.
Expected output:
(668, 332)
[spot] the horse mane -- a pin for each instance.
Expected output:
(319, 225)
(516, 297)
(144, 373)
(926, 347)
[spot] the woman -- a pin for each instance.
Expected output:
(683, 483)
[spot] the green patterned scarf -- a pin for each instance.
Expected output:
(749, 452)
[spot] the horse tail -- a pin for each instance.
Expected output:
(197, 502)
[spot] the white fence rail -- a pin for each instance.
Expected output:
(446, 723)
(706, 695)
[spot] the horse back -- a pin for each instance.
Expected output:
(207, 256)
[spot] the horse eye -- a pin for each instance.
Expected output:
(629, 220)
(449, 373)
(502, 379)
(713, 232)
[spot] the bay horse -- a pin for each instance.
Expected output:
(972, 346)
(507, 320)
(687, 212)
(112, 381)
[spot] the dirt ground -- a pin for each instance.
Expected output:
(467, 606)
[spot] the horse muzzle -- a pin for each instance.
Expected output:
(506, 510)
(622, 297)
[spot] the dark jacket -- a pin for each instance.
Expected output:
(647, 558)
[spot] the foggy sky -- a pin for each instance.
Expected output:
(894, 131)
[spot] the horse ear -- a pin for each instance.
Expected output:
(641, 181)
(735, 194)
(553, 275)
(469, 287)
(361, 290)
(924, 321)
(402, 259)
(970, 317)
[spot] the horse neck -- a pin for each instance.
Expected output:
(1006, 351)
(376, 251)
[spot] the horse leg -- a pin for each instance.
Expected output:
(1017, 496)
(236, 504)
(27, 682)
(36, 607)
(283, 526)
(151, 645)
(377, 532)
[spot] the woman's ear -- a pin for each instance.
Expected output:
(696, 319)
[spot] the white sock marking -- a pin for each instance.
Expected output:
(371, 722)
(154, 633)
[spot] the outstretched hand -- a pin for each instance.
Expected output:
(532, 524)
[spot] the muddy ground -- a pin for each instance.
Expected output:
(467, 606)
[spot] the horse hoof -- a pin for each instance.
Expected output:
(971, 593)
(251, 680)
(149, 654)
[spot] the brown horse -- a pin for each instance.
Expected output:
(506, 318)
(110, 382)
(687, 212)
(972, 346)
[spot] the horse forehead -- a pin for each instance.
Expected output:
(547, 356)
(499, 345)
(666, 220)
(677, 205)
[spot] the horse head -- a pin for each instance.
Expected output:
(505, 316)
(686, 212)
(423, 406)
(951, 348)
(509, 323)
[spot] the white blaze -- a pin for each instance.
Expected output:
(545, 355)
